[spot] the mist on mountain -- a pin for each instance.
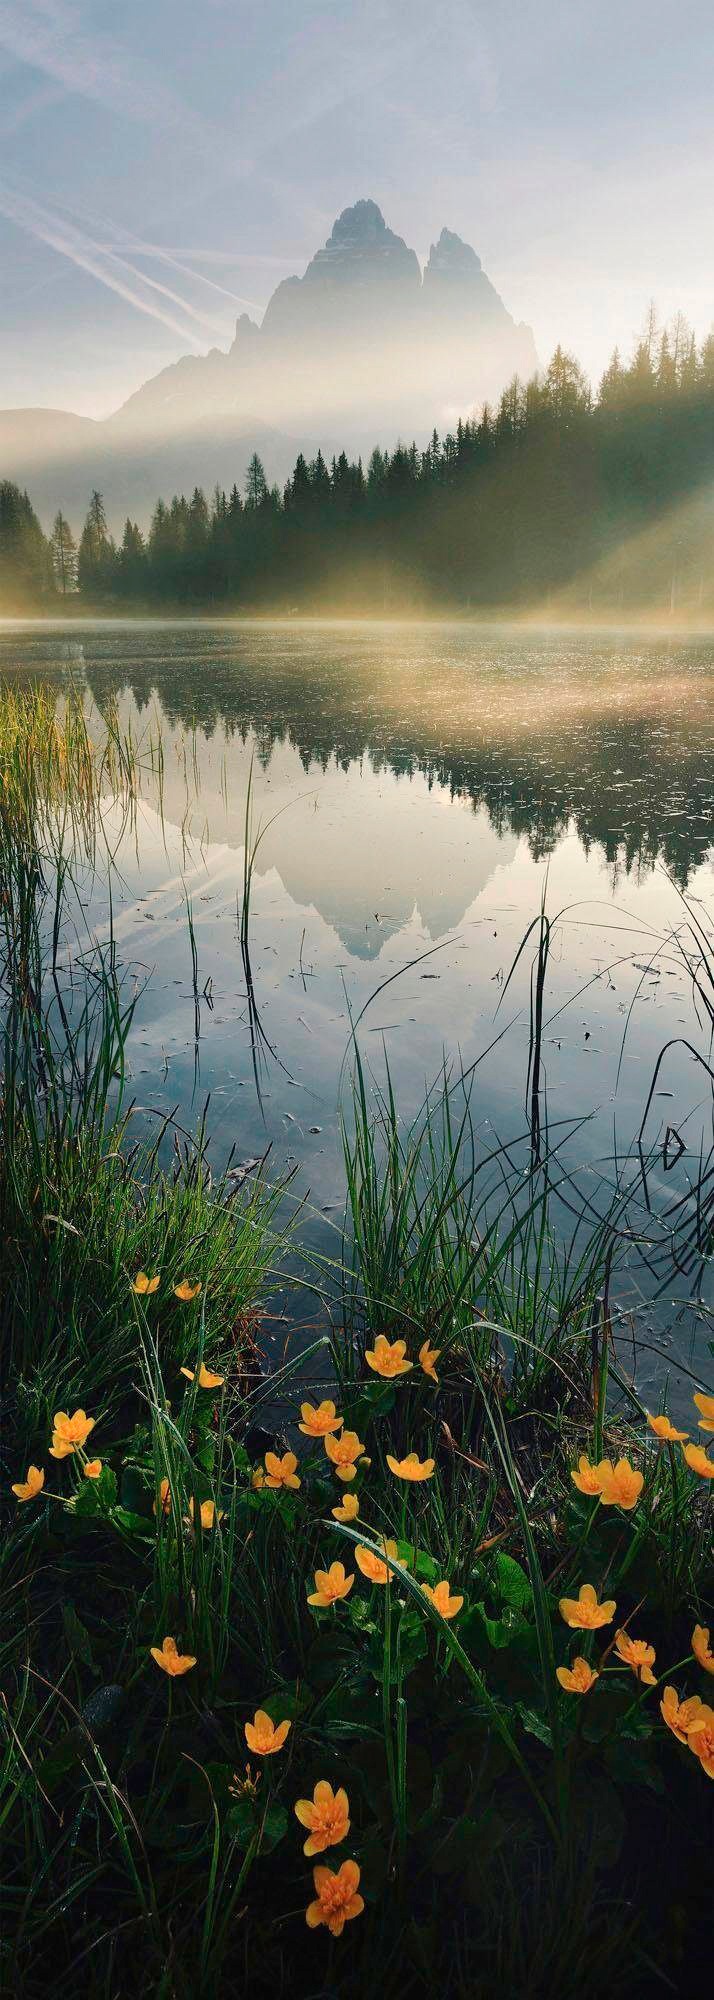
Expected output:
(363, 348)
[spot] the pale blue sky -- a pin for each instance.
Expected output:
(163, 163)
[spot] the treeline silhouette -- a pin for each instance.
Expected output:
(601, 501)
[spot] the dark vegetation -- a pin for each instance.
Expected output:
(513, 1836)
(556, 498)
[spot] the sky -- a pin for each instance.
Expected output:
(164, 163)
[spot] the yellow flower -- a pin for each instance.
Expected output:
(577, 1679)
(665, 1430)
(586, 1476)
(281, 1471)
(206, 1378)
(700, 1737)
(348, 1508)
(144, 1286)
(371, 1565)
(620, 1485)
(330, 1584)
(162, 1503)
(636, 1653)
(326, 1815)
(69, 1432)
(428, 1357)
(28, 1489)
(412, 1467)
(257, 1478)
(440, 1596)
(319, 1419)
(336, 1898)
(207, 1513)
(388, 1358)
(263, 1736)
(343, 1453)
(679, 1715)
(171, 1660)
(584, 1613)
(92, 1468)
(697, 1459)
(186, 1291)
(706, 1405)
(700, 1642)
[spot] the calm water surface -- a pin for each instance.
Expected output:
(420, 789)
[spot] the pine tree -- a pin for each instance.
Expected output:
(64, 555)
(256, 485)
(96, 551)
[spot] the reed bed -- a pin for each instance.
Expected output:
(406, 1632)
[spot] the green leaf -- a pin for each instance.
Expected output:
(511, 1585)
(97, 1496)
(133, 1524)
(76, 1635)
(134, 1494)
(535, 1724)
(274, 1827)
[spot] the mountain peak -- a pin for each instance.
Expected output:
(452, 257)
(361, 255)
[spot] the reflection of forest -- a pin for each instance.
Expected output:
(542, 733)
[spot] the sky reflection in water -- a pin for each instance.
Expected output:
(420, 782)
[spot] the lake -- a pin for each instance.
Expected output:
(421, 789)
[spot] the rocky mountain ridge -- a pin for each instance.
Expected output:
(362, 349)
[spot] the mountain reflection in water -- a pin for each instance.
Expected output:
(416, 782)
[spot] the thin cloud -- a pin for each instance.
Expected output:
(116, 273)
(47, 35)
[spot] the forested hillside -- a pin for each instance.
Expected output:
(555, 497)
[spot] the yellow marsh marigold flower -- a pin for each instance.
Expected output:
(171, 1660)
(578, 1678)
(700, 1737)
(336, 1898)
(620, 1485)
(440, 1596)
(348, 1508)
(318, 1420)
(162, 1503)
(428, 1357)
(206, 1377)
(281, 1471)
(664, 1430)
(636, 1653)
(28, 1489)
(206, 1513)
(700, 1642)
(330, 1584)
(584, 1613)
(326, 1815)
(705, 1404)
(257, 1478)
(92, 1468)
(586, 1476)
(69, 1432)
(412, 1467)
(677, 1714)
(698, 1461)
(186, 1291)
(371, 1565)
(263, 1736)
(388, 1358)
(343, 1452)
(144, 1286)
